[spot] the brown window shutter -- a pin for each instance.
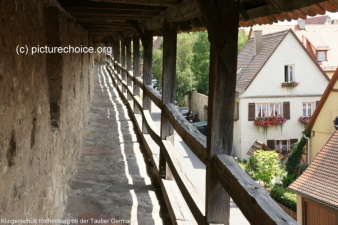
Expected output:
(271, 144)
(317, 102)
(237, 111)
(286, 110)
(251, 114)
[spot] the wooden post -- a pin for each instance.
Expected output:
(123, 63)
(128, 64)
(168, 87)
(147, 43)
(136, 67)
(118, 59)
(221, 19)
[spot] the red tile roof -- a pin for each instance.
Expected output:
(320, 180)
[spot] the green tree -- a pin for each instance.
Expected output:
(185, 81)
(200, 68)
(267, 166)
(157, 65)
(242, 39)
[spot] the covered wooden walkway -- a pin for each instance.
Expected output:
(114, 183)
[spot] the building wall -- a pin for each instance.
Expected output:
(323, 127)
(199, 104)
(266, 88)
(44, 102)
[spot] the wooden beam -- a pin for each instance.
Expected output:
(113, 12)
(254, 202)
(147, 43)
(168, 88)
(186, 10)
(128, 63)
(136, 67)
(221, 19)
(278, 7)
(108, 5)
(166, 3)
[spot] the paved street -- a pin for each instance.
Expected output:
(196, 171)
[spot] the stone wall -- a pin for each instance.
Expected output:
(44, 103)
(199, 103)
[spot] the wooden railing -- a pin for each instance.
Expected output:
(256, 205)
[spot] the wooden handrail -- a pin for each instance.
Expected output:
(256, 205)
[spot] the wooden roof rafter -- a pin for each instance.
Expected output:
(151, 14)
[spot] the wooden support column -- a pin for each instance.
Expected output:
(118, 57)
(169, 88)
(147, 43)
(221, 19)
(123, 63)
(128, 64)
(136, 67)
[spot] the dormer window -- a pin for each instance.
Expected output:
(321, 56)
(289, 73)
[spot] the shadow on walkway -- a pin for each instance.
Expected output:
(112, 184)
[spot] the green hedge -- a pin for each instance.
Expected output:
(284, 197)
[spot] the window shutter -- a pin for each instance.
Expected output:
(251, 112)
(292, 141)
(237, 111)
(271, 144)
(317, 102)
(286, 110)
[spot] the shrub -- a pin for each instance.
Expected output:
(284, 197)
(242, 165)
(251, 167)
(292, 166)
(267, 166)
(287, 180)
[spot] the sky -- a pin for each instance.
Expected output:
(293, 22)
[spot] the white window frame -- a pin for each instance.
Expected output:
(308, 106)
(289, 72)
(269, 107)
(280, 144)
(321, 56)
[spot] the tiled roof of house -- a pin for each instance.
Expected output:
(321, 36)
(320, 180)
(317, 20)
(257, 146)
(248, 65)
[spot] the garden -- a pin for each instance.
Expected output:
(275, 170)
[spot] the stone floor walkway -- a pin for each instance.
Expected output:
(113, 184)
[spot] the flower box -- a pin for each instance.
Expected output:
(289, 84)
(269, 121)
(304, 119)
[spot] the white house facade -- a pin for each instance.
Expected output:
(279, 58)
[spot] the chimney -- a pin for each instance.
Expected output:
(301, 24)
(257, 41)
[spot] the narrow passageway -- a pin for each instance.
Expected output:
(112, 183)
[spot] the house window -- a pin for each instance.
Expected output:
(268, 109)
(289, 73)
(321, 56)
(308, 108)
(261, 110)
(282, 144)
